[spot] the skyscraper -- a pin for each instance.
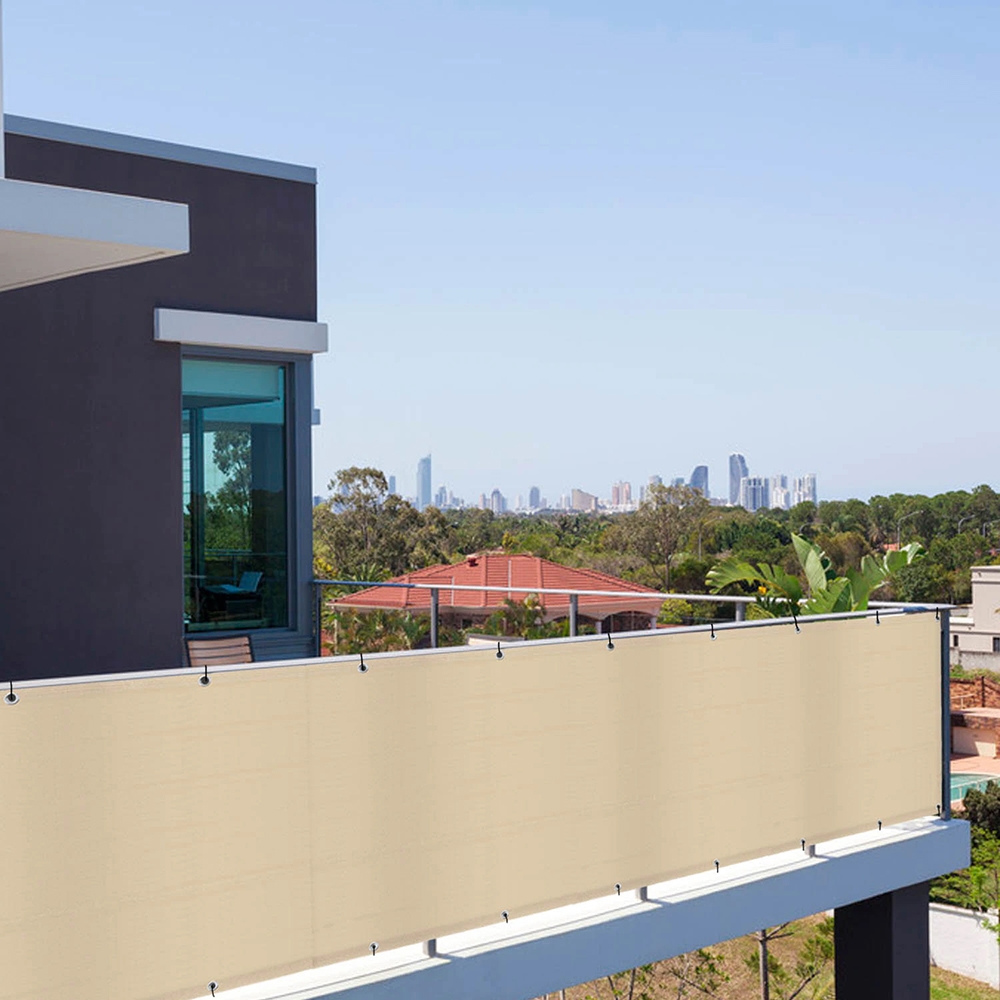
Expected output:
(534, 498)
(441, 498)
(699, 479)
(392, 484)
(804, 488)
(424, 482)
(498, 503)
(754, 493)
(737, 471)
(621, 494)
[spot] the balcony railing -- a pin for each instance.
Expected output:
(161, 831)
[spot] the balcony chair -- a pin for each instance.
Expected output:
(214, 652)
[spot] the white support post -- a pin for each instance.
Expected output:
(1, 91)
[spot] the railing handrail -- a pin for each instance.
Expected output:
(644, 594)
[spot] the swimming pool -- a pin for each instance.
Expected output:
(961, 783)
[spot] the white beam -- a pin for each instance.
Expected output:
(549, 951)
(259, 333)
(49, 232)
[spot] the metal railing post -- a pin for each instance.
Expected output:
(946, 714)
(574, 608)
(741, 612)
(318, 611)
(434, 617)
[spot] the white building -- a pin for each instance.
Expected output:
(755, 493)
(804, 488)
(975, 636)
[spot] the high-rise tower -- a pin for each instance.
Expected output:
(424, 482)
(699, 479)
(737, 470)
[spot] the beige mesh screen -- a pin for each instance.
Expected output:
(156, 834)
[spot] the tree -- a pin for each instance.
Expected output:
(364, 532)
(698, 971)
(525, 619)
(810, 976)
(780, 594)
(982, 808)
(663, 522)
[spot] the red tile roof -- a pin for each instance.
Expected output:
(522, 574)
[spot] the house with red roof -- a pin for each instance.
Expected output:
(518, 575)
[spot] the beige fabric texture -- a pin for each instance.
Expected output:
(156, 834)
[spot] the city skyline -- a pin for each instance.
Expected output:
(750, 490)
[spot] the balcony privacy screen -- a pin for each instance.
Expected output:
(156, 834)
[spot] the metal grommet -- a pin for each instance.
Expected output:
(205, 680)
(611, 645)
(499, 652)
(618, 888)
(716, 865)
(213, 986)
(11, 698)
(505, 916)
(374, 947)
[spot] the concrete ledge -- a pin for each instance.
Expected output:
(258, 333)
(49, 232)
(574, 944)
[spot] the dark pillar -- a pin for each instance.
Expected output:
(883, 946)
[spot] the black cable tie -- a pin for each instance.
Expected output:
(880, 824)
(877, 622)
(374, 947)
(11, 698)
(213, 986)
(716, 865)
(362, 666)
(611, 645)
(618, 888)
(711, 625)
(795, 622)
(205, 680)
(505, 917)
(937, 614)
(499, 651)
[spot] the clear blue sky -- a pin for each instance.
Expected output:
(563, 243)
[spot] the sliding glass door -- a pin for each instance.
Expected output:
(235, 495)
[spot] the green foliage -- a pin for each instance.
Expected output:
(381, 631)
(983, 808)
(699, 973)
(663, 523)
(811, 976)
(780, 594)
(675, 612)
(633, 984)
(978, 886)
(525, 619)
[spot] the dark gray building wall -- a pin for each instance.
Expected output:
(90, 502)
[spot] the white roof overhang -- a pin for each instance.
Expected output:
(49, 232)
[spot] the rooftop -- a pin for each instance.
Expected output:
(521, 574)
(116, 142)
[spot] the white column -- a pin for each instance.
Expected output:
(1, 90)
